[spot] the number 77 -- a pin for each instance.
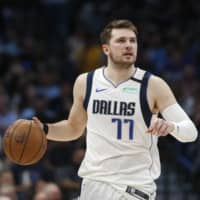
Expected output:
(119, 127)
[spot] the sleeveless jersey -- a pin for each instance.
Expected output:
(118, 148)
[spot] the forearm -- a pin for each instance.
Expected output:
(185, 130)
(64, 131)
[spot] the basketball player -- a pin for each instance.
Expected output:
(118, 104)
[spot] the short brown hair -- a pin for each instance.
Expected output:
(116, 24)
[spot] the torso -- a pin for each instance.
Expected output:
(118, 148)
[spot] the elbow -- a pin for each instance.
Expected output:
(78, 134)
(191, 137)
(185, 132)
(194, 136)
(78, 131)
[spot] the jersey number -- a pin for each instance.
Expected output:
(119, 122)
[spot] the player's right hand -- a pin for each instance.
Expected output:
(38, 122)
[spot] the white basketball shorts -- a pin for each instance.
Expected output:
(98, 190)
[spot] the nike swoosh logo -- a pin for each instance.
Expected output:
(100, 90)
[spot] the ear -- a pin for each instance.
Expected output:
(105, 49)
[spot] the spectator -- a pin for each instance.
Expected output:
(40, 196)
(7, 184)
(52, 191)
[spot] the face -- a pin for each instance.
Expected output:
(122, 47)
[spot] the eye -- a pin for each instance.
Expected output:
(121, 40)
(133, 40)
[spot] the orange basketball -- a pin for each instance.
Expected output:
(24, 142)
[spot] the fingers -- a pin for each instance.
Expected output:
(163, 129)
(158, 127)
(37, 121)
(153, 121)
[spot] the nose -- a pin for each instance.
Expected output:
(129, 45)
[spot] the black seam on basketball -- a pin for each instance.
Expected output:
(38, 148)
(11, 139)
(25, 142)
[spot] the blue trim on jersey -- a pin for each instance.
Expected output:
(137, 80)
(88, 89)
(146, 112)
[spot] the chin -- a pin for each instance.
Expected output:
(125, 65)
(128, 62)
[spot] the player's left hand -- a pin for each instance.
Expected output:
(160, 127)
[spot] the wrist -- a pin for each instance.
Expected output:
(45, 128)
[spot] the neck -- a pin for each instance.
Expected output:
(119, 74)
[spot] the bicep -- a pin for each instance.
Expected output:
(162, 93)
(78, 115)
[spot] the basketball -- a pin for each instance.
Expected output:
(24, 142)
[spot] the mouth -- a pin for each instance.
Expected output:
(128, 54)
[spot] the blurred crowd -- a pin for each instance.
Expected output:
(45, 44)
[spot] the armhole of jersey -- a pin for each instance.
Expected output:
(146, 112)
(88, 89)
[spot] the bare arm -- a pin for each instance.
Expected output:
(74, 126)
(160, 94)
(160, 97)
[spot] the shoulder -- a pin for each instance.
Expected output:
(156, 81)
(81, 78)
(80, 85)
(158, 84)
(161, 92)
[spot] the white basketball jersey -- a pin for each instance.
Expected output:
(118, 148)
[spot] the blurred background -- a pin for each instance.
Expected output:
(45, 44)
